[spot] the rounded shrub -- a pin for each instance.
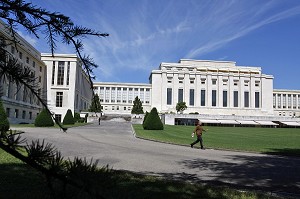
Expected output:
(68, 119)
(145, 117)
(153, 121)
(4, 123)
(43, 119)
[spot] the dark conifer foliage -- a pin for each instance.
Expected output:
(4, 123)
(43, 119)
(137, 106)
(153, 121)
(69, 119)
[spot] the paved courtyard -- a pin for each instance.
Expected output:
(114, 143)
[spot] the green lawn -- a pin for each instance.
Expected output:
(285, 141)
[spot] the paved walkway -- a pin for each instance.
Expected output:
(113, 143)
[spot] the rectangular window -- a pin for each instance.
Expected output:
(53, 72)
(60, 73)
(124, 95)
(224, 98)
(20, 55)
(180, 95)
(68, 73)
(214, 98)
(169, 96)
(256, 99)
(119, 95)
(289, 101)
(192, 97)
(279, 100)
(16, 113)
(246, 99)
(23, 114)
(27, 60)
(235, 98)
(202, 97)
(130, 95)
(59, 99)
(274, 100)
(294, 101)
(284, 101)
(30, 115)
(33, 64)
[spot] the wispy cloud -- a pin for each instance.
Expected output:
(144, 33)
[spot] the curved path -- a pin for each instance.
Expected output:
(113, 143)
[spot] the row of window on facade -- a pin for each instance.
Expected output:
(293, 114)
(214, 82)
(203, 100)
(291, 101)
(16, 114)
(124, 95)
(117, 108)
(60, 73)
(27, 60)
(20, 93)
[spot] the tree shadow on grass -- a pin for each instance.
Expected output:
(284, 152)
(273, 174)
(18, 180)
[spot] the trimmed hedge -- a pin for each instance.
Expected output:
(43, 119)
(145, 117)
(69, 119)
(153, 121)
(4, 123)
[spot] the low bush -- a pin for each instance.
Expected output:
(153, 121)
(43, 119)
(68, 119)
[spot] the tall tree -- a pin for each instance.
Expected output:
(95, 105)
(55, 27)
(137, 106)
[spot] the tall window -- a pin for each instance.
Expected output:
(224, 98)
(147, 97)
(118, 94)
(214, 98)
(294, 101)
(256, 99)
(274, 100)
(246, 99)
(202, 97)
(53, 72)
(60, 73)
(284, 101)
(58, 117)
(169, 96)
(192, 97)
(124, 95)
(279, 100)
(235, 98)
(289, 101)
(180, 95)
(59, 99)
(130, 95)
(107, 94)
(68, 73)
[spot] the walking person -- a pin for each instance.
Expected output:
(99, 120)
(198, 131)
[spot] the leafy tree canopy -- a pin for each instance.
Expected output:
(137, 106)
(181, 106)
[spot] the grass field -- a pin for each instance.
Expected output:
(283, 141)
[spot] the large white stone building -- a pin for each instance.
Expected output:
(20, 104)
(215, 91)
(68, 84)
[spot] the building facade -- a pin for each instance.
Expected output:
(286, 103)
(20, 104)
(68, 85)
(212, 87)
(218, 92)
(118, 97)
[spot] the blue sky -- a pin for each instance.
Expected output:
(145, 33)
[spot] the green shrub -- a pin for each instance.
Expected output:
(76, 117)
(4, 123)
(68, 119)
(43, 119)
(153, 121)
(145, 117)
